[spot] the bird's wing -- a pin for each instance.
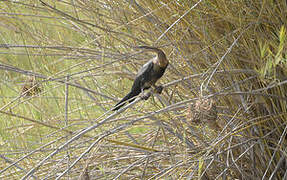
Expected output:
(143, 76)
(146, 69)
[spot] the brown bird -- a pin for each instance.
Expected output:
(147, 75)
(31, 87)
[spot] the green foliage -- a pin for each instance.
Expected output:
(272, 58)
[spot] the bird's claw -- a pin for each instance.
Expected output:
(145, 96)
(158, 89)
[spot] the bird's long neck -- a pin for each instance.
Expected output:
(160, 59)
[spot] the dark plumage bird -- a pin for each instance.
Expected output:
(147, 75)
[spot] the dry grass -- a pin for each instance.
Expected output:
(222, 113)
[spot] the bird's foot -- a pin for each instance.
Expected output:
(158, 89)
(145, 96)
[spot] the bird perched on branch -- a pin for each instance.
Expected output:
(147, 75)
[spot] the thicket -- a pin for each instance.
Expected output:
(221, 115)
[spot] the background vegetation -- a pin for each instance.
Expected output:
(64, 64)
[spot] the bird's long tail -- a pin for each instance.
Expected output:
(126, 98)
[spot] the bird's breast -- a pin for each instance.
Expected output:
(157, 71)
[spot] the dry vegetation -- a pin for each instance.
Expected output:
(222, 113)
